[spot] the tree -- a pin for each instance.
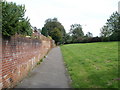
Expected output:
(50, 25)
(114, 24)
(13, 21)
(112, 28)
(44, 31)
(89, 34)
(105, 31)
(76, 32)
(24, 27)
(68, 38)
(56, 35)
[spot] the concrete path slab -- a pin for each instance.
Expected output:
(51, 73)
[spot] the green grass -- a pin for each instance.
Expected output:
(92, 65)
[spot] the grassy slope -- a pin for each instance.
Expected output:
(92, 65)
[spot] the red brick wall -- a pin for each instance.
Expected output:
(19, 56)
(0, 62)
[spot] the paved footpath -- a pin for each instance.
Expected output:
(51, 73)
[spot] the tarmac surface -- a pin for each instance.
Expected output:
(51, 73)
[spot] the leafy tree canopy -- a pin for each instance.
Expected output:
(89, 34)
(56, 35)
(112, 28)
(105, 32)
(51, 25)
(76, 32)
(13, 21)
(44, 32)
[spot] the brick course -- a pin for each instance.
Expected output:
(19, 56)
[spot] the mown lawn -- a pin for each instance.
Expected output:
(92, 65)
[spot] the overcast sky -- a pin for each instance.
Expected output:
(91, 14)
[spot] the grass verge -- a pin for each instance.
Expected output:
(92, 65)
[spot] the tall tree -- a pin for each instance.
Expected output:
(112, 27)
(114, 24)
(44, 31)
(89, 34)
(68, 38)
(56, 35)
(50, 25)
(13, 20)
(105, 31)
(76, 32)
